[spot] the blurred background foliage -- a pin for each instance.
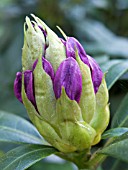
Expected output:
(100, 25)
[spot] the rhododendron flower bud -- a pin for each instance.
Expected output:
(71, 45)
(69, 76)
(62, 88)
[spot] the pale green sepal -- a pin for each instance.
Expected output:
(44, 94)
(66, 109)
(100, 122)
(55, 53)
(51, 135)
(101, 117)
(96, 139)
(77, 134)
(28, 105)
(87, 100)
(34, 43)
(45, 129)
(73, 129)
(62, 32)
(48, 131)
(102, 94)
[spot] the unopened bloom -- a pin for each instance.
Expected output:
(62, 88)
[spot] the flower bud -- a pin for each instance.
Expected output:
(55, 53)
(46, 66)
(96, 73)
(28, 84)
(71, 45)
(68, 75)
(62, 88)
(34, 44)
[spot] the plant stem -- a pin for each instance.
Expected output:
(98, 158)
(84, 160)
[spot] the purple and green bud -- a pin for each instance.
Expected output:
(62, 88)
(71, 45)
(68, 75)
(29, 85)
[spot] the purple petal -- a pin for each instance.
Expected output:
(34, 65)
(28, 83)
(43, 31)
(96, 73)
(46, 66)
(45, 35)
(63, 41)
(18, 86)
(69, 76)
(71, 45)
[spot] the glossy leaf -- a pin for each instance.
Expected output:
(107, 65)
(117, 150)
(114, 132)
(115, 73)
(17, 130)
(52, 165)
(101, 59)
(24, 156)
(121, 116)
(120, 138)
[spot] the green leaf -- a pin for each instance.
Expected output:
(121, 116)
(47, 165)
(101, 59)
(24, 156)
(120, 138)
(107, 65)
(17, 130)
(118, 165)
(114, 132)
(100, 37)
(1, 153)
(117, 150)
(115, 72)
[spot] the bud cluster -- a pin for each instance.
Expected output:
(62, 88)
